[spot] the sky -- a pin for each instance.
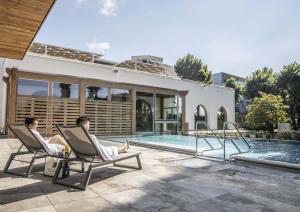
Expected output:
(233, 36)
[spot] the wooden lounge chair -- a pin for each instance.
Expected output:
(85, 151)
(32, 144)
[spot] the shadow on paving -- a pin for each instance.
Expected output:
(222, 187)
(36, 189)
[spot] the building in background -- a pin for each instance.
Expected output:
(241, 107)
(220, 78)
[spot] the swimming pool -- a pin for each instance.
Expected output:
(284, 151)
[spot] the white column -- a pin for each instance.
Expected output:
(2, 94)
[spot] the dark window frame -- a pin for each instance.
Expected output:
(34, 80)
(57, 82)
(97, 86)
(125, 89)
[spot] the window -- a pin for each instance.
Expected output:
(32, 87)
(65, 90)
(167, 107)
(201, 117)
(120, 95)
(96, 93)
(221, 118)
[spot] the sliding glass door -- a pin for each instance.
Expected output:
(167, 113)
(158, 113)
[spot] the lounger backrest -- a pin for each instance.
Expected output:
(79, 140)
(25, 135)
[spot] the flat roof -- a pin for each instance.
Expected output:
(231, 75)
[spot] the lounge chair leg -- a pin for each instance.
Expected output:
(82, 166)
(88, 176)
(139, 162)
(19, 149)
(81, 187)
(58, 168)
(11, 158)
(31, 165)
(28, 171)
(129, 166)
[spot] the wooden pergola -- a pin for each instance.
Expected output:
(20, 21)
(140, 66)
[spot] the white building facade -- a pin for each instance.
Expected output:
(212, 98)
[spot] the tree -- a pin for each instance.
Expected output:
(289, 86)
(231, 83)
(266, 112)
(192, 68)
(262, 80)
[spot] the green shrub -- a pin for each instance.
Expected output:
(265, 112)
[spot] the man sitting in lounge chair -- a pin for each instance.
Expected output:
(107, 152)
(52, 145)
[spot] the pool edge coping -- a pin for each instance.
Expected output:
(272, 163)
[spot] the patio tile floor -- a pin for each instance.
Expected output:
(168, 182)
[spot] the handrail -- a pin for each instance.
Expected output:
(224, 141)
(197, 136)
(203, 122)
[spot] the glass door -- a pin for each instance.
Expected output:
(167, 113)
(144, 112)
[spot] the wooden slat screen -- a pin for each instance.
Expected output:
(106, 117)
(63, 111)
(33, 107)
(48, 110)
(109, 118)
(97, 111)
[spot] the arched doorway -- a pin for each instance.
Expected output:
(200, 115)
(144, 116)
(221, 117)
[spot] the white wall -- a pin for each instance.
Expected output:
(2, 94)
(212, 97)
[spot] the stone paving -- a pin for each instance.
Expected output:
(168, 182)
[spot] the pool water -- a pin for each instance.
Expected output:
(260, 149)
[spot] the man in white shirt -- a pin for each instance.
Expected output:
(107, 152)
